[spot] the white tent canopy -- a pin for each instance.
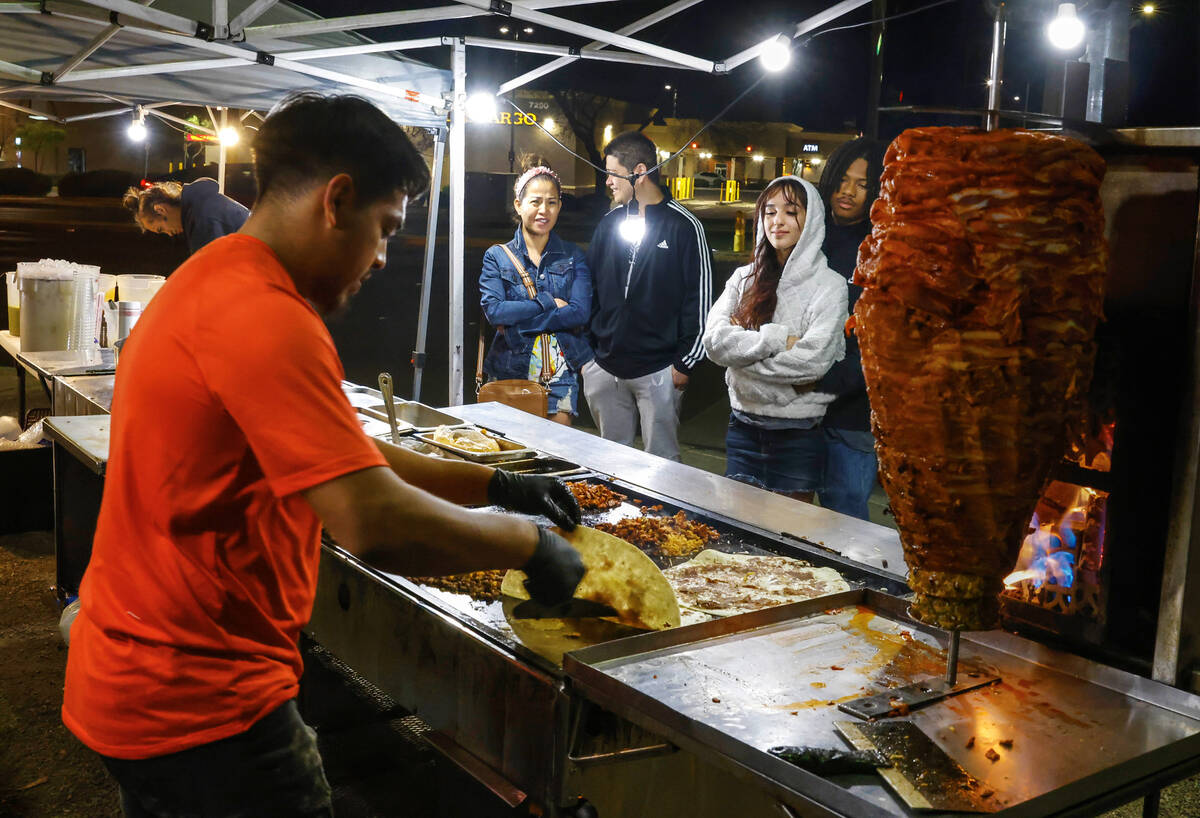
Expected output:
(36, 46)
(251, 53)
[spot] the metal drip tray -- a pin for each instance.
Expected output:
(1041, 740)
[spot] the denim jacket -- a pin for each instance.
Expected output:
(519, 319)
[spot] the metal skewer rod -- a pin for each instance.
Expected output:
(952, 659)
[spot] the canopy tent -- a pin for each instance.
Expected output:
(147, 65)
(256, 52)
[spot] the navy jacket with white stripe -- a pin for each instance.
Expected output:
(650, 300)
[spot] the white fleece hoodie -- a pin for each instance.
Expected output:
(764, 376)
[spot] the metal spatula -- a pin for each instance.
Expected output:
(571, 609)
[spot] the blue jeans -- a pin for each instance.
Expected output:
(850, 474)
(272, 769)
(785, 460)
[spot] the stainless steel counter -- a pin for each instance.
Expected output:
(754, 508)
(84, 438)
(83, 394)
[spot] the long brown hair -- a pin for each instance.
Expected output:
(759, 297)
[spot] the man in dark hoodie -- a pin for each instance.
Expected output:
(653, 288)
(849, 186)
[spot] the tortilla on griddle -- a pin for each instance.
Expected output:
(722, 584)
(618, 574)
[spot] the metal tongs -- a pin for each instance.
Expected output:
(389, 405)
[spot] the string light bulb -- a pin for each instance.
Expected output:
(634, 225)
(481, 107)
(776, 54)
(1066, 30)
(137, 129)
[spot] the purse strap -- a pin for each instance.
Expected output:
(544, 339)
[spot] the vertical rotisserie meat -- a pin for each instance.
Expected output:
(983, 283)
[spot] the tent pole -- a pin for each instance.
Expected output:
(596, 45)
(458, 179)
(221, 150)
(435, 195)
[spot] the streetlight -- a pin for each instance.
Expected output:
(674, 99)
(1066, 29)
(1148, 9)
(504, 29)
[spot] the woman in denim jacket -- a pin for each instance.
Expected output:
(560, 274)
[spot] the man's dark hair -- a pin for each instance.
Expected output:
(310, 137)
(842, 158)
(631, 148)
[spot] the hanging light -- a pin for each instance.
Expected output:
(634, 226)
(481, 107)
(1066, 29)
(137, 129)
(776, 54)
(229, 137)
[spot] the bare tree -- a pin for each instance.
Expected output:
(583, 112)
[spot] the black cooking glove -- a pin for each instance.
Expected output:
(554, 570)
(535, 494)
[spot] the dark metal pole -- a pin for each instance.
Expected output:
(875, 87)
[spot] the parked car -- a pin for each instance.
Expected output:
(709, 179)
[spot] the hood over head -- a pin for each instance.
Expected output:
(806, 256)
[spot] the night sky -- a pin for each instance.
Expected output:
(937, 57)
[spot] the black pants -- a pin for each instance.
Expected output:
(272, 769)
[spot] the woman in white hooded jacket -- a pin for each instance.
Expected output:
(778, 328)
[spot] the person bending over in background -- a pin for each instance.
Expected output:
(849, 186)
(197, 209)
(652, 294)
(538, 336)
(777, 327)
(232, 443)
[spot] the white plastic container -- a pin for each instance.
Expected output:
(14, 303)
(139, 287)
(47, 308)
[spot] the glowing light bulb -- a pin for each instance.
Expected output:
(137, 130)
(548, 123)
(776, 54)
(1066, 30)
(481, 107)
(229, 137)
(633, 228)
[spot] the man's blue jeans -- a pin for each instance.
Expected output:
(850, 473)
(272, 769)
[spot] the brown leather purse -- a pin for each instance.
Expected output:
(519, 393)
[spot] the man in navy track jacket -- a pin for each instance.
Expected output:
(650, 304)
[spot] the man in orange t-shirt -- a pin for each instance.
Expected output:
(231, 444)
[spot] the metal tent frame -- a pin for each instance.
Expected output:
(245, 45)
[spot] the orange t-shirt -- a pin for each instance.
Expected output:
(227, 403)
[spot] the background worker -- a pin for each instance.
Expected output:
(849, 186)
(232, 443)
(652, 295)
(197, 209)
